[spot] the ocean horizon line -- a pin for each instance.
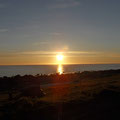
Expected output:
(61, 64)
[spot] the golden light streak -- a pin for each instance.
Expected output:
(60, 69)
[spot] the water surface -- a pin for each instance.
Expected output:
(48, 69)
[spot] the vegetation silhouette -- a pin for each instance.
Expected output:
(88, 95)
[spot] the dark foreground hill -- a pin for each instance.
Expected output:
(76, 96)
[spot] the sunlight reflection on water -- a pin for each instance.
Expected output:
(60, 69)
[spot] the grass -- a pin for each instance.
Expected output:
(87, 96)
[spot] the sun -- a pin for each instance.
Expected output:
(59, 57)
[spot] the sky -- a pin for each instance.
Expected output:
(33, 32)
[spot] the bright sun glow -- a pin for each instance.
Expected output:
(59, 57)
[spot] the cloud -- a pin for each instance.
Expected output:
(65, 4)
(67, 53)
(3, 30)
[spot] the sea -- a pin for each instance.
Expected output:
(51, 69)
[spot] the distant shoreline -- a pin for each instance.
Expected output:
(69, 73)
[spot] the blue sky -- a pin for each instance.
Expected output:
(87, 31)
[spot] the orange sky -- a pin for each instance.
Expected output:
(70, 57)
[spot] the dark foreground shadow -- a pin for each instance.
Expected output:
(88, 96)
(104, 106)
